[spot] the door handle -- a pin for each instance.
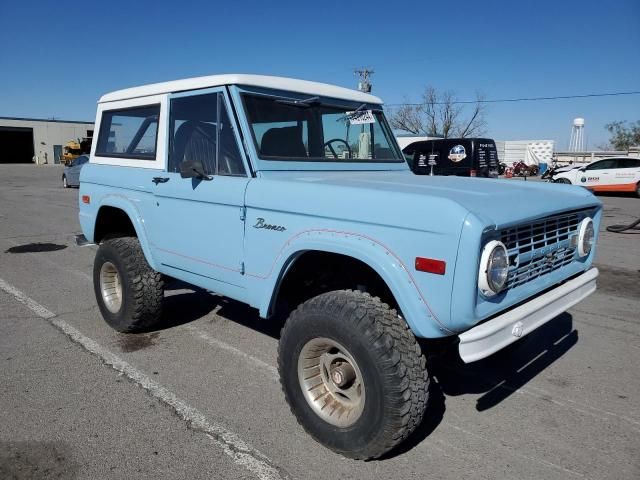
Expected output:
(158, 180)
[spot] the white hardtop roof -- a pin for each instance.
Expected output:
(280, 83)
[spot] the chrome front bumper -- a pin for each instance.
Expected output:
(495, 334)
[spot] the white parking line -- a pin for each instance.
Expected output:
(240, 451)
(214, 342)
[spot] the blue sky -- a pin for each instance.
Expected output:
(57, 58)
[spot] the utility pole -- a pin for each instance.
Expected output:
(364, 85)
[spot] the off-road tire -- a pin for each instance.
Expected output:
(65, 183)
(142, 287)
(390, 359)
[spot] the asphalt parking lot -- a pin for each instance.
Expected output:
(199, 397)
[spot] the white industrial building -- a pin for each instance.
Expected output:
(405, 139)
(531, 152)
(26, 140)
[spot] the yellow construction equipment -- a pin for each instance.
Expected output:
(74, 148)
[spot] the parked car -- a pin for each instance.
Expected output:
(294, 198)
(466, 157)
(71, 172)
(619, 174)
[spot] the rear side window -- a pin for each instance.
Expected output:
(629, 163)
(129, 133)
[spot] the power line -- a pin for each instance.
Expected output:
(523, 99)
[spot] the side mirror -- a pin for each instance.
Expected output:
(193, 169)
(583, 169)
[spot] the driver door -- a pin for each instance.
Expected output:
(199, 226)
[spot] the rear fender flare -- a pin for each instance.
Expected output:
(129, 207)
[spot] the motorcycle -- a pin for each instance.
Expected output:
(521, 169)
(550, 172)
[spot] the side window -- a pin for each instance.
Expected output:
(129, 133)
(602, 164)
(229, 158)
(192, 131)
(629, 163)
(201, 130)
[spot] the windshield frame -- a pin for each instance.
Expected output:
(240, 94)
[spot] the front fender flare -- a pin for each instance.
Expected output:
(393, 271)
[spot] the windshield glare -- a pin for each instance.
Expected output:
(312, 130)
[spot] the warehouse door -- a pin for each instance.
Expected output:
(16, 145)
(57, 153)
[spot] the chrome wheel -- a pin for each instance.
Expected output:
(331, 382)
(111, 287)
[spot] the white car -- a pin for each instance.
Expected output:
(620, 174)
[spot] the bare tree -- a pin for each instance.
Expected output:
(440, 114)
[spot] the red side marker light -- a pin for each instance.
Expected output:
(86, 199)
(430, 265)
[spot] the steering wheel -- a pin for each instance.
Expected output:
(329, 142)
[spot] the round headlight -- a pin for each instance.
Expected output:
(586, 235)
(494, 268)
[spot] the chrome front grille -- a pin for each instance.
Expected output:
(527, 271)
(540, 247)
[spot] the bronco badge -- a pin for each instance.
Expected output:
(260, 223)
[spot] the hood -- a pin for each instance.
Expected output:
(402, 198)
(567, 169)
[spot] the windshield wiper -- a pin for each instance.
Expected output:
(350, 115)
(305, 103)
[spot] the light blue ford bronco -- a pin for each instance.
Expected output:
(294, 198)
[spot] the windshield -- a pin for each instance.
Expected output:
(312, 130)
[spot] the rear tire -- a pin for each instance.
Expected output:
(128, 291)
(384, 394)
(638, 189)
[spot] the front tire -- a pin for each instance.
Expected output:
(128, 291)
(352, 373)
(565, 181)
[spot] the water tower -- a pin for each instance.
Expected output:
(576, 144)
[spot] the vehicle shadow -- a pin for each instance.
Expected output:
(496, 378)
(617, 194)
(184, 303)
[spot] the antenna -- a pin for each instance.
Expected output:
(364, 85)
(576, 144)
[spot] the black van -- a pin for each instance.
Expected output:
(465, 157)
